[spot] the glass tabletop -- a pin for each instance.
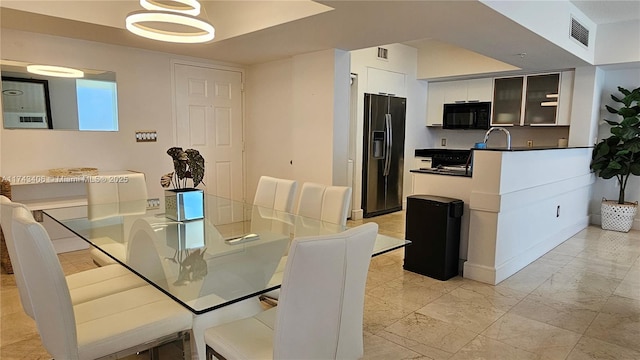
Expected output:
(228, 256)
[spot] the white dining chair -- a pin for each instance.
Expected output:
(274, 193)
(320, 207)
(83, 286)
(121, 323)
(325, 203)
(321, 306)
(111, 198)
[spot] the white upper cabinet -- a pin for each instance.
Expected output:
(455, 92)
(474, 90)
(435, 101)
(479, 90)
(386, 82)
(451, 92)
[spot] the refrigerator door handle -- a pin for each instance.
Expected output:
(387, 164)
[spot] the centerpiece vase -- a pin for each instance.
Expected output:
(184, 204)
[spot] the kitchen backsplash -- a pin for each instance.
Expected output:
(520, 136)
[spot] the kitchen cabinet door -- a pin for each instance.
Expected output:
(479, 90)
(455, 92)
(386, 82)
(435, 101)
(507, 101)
(541, 99)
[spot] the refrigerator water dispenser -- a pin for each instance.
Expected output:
(378, 144)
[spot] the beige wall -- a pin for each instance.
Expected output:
(296, 118)
(144, 103)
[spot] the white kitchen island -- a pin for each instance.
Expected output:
(523, 203)
(518, 205)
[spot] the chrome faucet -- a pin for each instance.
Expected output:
(505, 131)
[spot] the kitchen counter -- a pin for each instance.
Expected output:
(432, 152)
(519, 204)
(523, 204)
(534, 148)
(437, 171)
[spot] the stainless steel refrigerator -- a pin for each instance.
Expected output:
(383, 154)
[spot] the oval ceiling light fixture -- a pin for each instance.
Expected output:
(12, 92)
(189, 7)
(135, 23)
(57, 71)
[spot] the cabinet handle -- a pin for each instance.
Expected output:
(459, 101)
(473, 101)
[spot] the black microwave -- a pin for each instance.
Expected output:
(466, 115)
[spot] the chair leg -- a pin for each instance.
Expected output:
(186, 345)
(213, 355)
(269, 300)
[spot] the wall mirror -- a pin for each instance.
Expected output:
(32, 101)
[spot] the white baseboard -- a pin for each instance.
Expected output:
(479, 272)
(357, 214)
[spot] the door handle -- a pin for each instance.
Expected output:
(387, 164)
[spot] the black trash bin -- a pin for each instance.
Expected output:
(433, 226)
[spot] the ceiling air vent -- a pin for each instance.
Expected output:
(579, 32)
(383, 53)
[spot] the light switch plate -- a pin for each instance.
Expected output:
(146, 136)
(153, 203)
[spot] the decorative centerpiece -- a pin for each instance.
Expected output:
(619, 156)
(183, 203)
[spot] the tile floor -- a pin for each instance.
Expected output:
(579, 301)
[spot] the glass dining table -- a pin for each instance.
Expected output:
(228, 256)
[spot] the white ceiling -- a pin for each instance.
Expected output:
(251, 32)
(609, 11)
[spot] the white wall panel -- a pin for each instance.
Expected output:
(197, 125)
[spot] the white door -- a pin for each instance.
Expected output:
(209, 119)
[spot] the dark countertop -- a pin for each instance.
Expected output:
(431, 152)
(434, 171)
(524, 148)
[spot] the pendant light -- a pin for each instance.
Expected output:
(178, 18)
(57, 71)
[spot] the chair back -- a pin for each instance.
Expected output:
(113, 198)
(325, 203)
(323, 288)
(7, 210)
(47, 287)
(274, 193)
(142, 253)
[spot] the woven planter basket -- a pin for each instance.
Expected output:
(618, 217)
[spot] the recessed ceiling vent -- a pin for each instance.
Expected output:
(383, 53)
(579, 32)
